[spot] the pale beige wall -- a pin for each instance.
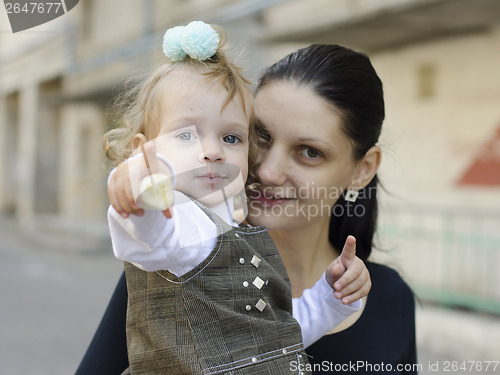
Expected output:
(440, 235)
(24, 75)
(106, 24)
(430, 142)
(427, 143)
(14, 44)
(88, 43)
(82, 178)
(295, 15)
(4, 158)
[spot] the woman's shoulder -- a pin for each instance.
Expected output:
(385, 332)
(388, 281)
(384, 273)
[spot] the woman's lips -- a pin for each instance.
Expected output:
(269, 200)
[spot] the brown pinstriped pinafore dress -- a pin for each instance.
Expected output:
(229, 315)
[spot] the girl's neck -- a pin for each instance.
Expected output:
(225, 210)
(306, 252)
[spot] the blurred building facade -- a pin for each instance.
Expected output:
(439, 61)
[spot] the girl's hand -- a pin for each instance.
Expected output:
(348, 275)
(124, 184)
(120, 192)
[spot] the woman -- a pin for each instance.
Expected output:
(319, 114)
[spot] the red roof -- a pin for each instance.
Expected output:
(485, 168)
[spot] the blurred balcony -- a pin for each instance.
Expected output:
(377, 25)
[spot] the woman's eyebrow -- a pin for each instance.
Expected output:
(312, 139)
(258, 122)
(259, 126)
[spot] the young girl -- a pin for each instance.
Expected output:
(207, 295)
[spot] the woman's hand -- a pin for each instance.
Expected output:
(348, 275)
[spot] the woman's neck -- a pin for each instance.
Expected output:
(306, 252)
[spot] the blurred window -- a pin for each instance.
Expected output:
(426, 81)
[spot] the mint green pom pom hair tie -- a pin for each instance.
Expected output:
(197, 40)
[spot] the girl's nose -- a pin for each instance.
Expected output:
(211, 150)
(272, 169)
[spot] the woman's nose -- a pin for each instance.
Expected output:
(211, 150)
(272, 169)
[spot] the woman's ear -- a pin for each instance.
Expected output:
(367, 167)
(138, 140)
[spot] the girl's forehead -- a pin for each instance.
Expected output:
(186, 82)
(184, 77)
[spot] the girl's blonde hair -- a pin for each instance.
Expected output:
(139, 107)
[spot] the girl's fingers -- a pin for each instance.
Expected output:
(359, 288)
(113, 200)
(167, 213)
(354, 271)
(352, 287)
(121, 191)
(124, 203)
(333, 272)
(349, 251)
(356, 276)
(128, 196)
(358, 294)
(125, 198)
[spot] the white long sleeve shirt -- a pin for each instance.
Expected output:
(153, 242)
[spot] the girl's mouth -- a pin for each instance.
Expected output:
(213, 180)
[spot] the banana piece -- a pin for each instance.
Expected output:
(156, 192)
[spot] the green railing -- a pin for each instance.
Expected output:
(449, 256)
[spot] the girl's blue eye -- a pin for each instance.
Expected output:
(186, 136)
(231, 139)
(310, 153)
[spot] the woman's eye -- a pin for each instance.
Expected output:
(186, 136)
(310, 153)
(231, 139)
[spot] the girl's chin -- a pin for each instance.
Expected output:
(212, 200)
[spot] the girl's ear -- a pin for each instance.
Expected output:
(138, 140)
(368, 167)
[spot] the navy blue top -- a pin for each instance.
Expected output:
(383, 338)
(384, 334)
